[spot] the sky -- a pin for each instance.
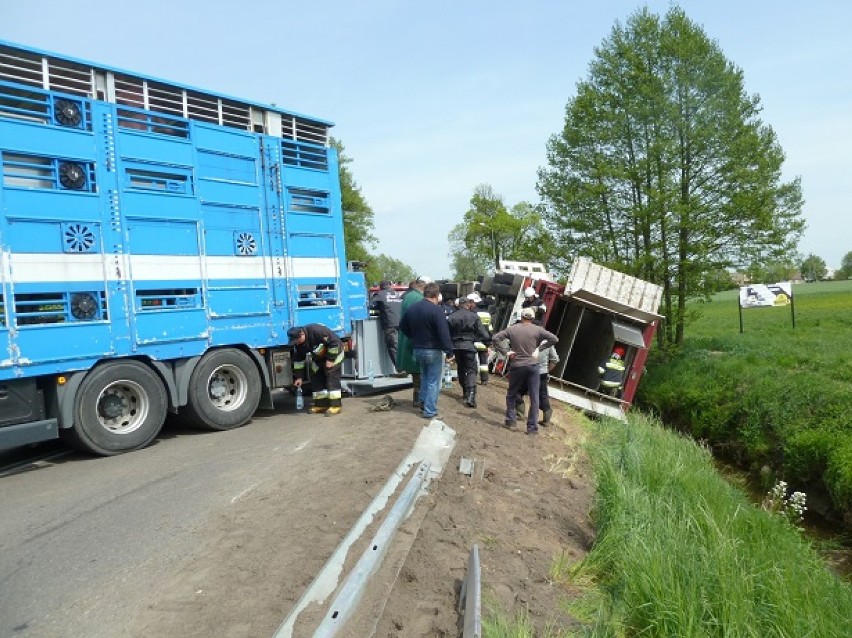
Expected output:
(431, 99)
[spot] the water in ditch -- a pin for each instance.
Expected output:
(828, 537)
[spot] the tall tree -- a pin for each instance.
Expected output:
(663, 167)
(845, 271)
(383, 267)
(813, 268)
(357, 214)
(491, 232)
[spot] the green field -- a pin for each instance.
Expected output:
(775, 397)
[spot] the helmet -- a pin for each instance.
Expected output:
(619, 350)
(293, 334)
(475, 298)
(529, 291)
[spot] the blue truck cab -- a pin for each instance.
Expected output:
(157, 241)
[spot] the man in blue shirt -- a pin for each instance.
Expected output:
(425, 324)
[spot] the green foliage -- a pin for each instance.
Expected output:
(813, 268)
(358, 226)
(663, 168)
(357, 214)
(680, 552)
(845, 270)
(381, 267)
(774, 395)
(491, 232)
(771, 271)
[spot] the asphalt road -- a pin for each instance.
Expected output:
(85, 541)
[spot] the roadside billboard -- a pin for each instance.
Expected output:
(766, 295)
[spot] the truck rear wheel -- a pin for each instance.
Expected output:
(120, 406)
(224, 390)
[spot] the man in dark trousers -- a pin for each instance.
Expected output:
(425, 324)
(388, 303)
(326, 350)
(405, 361)
(526, 340)
(466, 330)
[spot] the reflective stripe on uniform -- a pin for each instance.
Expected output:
(335, 394)
(322, 394)
(319, 350)
(299, 365)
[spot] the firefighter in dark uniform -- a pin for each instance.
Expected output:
(465, 330)
(482, 346)
(532, 300)
(326, 350)
(388, 303)
(612, 371)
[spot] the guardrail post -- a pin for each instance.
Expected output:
(470, 597)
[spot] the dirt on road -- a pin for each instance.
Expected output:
(526, 505)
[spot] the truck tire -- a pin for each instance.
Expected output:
(224, 390)
(120, 406)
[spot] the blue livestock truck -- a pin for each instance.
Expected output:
(157, 242)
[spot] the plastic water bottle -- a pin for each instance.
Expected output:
(300, 399)
(448, 376)
(370, 374)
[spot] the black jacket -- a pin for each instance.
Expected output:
(321, 343)
(466, 328)
(425, 324)
(389, 304)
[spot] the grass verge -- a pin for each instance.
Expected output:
(773, 396)
(680, 552)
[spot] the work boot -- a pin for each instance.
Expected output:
(333, 411)
(317, 409)
(483, 378)
(520, 408)
(547, 414)
(470, 397)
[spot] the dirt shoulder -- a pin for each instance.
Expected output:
(526, 505)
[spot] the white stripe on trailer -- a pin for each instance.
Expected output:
(163, 267)
(55, 267)
(30, 268)
(236, 267)
(307, 267)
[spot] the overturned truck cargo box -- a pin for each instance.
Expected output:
(605, 321)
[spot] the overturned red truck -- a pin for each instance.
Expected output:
(595, 311)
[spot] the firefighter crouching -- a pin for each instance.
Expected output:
(612, 371)
(326, 350)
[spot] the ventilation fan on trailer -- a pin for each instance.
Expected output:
(72, 176)
(78, 238)
(84, 306)
(246, 244)
(67, 113)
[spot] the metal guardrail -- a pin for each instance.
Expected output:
(343, 606)
(470, 597)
